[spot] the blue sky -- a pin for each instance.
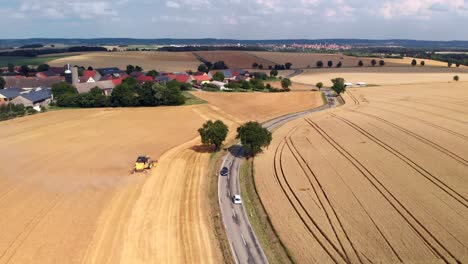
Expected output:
(239, 19)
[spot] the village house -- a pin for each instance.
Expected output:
(6, 95)
(105, 86)
(36, 98)
(90, 76)
(201, 77)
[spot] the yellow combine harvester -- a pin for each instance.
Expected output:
(144, 163)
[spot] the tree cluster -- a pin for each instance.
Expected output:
(208, 66)
(338, 85)
(11, 111)
(213, 133)
(129, 93)
(253, 137)
(131, 68)
(132, 94)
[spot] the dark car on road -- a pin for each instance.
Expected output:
(224, 171)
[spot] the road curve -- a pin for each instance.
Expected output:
(244, 244)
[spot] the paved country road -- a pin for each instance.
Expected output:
(244, 244)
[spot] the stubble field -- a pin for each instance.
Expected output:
(149, 60)
(383, 75)
(261, 106)
(67, 195)
(379, 180)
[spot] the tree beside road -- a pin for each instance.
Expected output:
(213, 133)
(253, 137)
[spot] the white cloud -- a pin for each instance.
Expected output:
(57, 9)
(172, 4)
(418, 8)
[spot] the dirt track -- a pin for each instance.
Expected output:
(380, 180)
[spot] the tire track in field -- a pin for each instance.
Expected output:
(424, 121)
(326, 204)
(423, 111)
(431, 241)
(419, 137)
(332, 251)
(35, 221)
(367, 213)
(418, 168)
(412, 100)
(351, 95)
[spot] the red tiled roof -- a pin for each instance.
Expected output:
(42, 75)
(201, 78)
(171, 76)
(199, 73)
(182, 78)
(144, 78)
(117, 81)
(89, 74)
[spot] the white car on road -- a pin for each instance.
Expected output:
(236, 199)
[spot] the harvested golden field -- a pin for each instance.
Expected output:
(383, 75)
(294, 87)
(406, 61)
(234, 59)
(379, 180)
(149, 60)
(261, 106)
(67, 196)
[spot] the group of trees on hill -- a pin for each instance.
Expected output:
(373, 63)
(277, 67)
(208, 66)
(129, 93)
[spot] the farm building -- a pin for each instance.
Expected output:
(31, 82)
(111, 70)
(36, 98)
(10, 94)
(106, 86)
(201, 79)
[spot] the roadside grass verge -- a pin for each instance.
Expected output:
(191, 99)
(324, 98)
(216, 159)
(274, 249)
(33, 61)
